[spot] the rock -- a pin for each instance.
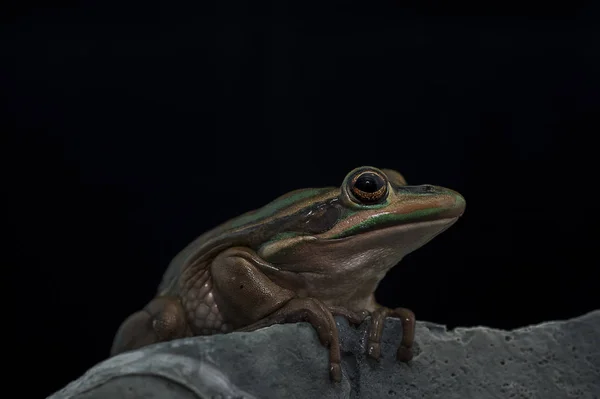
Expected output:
(552, 360)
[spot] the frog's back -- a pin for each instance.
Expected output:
(241, 230)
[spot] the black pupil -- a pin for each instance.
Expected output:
(368, 183)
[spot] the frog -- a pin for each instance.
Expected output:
(308, 256)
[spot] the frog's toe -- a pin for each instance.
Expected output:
(335, 372)
(404, 354)
(374, 350)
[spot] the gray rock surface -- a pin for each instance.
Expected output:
(551, 360)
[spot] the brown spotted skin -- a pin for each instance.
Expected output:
(198, 300)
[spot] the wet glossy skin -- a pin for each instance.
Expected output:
(306, 256)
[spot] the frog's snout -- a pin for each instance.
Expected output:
(459, 202)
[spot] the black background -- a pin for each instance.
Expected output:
(129, 130)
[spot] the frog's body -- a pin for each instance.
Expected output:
(308, 255)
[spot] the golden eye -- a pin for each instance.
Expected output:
(369, 187)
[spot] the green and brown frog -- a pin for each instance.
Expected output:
(307, 256)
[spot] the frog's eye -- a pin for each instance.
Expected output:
(369, 187)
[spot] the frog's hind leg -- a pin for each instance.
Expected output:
(161, 320)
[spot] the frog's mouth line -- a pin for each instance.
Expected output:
(391, 220)
(397, 228)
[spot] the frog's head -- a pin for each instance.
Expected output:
(360, 229)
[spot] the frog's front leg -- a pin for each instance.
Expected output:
(378, 316)
(250, 300)
(377, 323)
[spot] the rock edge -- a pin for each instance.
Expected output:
(559, 359)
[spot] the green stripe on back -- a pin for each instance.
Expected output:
(275, 206)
